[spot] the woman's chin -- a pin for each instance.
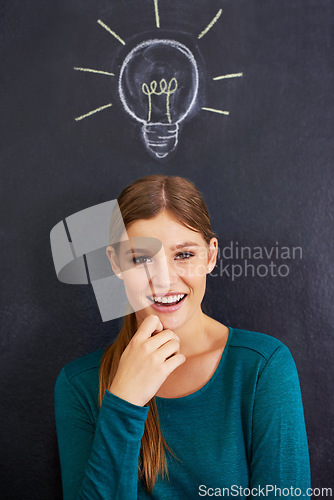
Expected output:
(170, 321)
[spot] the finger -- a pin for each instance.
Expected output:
(174, 361)
(168, 349)
(159, 328)
(156, 341)
(149, 325)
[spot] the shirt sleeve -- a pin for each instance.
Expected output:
(280, 457)
(97, 462)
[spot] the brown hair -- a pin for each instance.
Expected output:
(144, 199)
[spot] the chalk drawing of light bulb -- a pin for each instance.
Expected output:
(158, 86)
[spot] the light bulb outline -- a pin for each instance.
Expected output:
(174, 44)
(160, 138)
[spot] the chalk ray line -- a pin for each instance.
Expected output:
(94, 111)
(156, 9)
(209, 26)
(217, 111)
(232, 75)
(101, 23)
(89, 70)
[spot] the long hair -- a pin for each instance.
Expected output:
(144, 199)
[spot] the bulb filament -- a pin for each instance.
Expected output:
(164, 88)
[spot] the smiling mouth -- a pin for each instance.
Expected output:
(170, 300)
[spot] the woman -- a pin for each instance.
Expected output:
(180, 405)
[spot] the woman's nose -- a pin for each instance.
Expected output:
(163, 274)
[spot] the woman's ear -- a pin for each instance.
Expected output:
(212, 254)
(111, 254)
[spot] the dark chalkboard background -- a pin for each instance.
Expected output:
(265, 171)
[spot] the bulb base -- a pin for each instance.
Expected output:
(161, 138)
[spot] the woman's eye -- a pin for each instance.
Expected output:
(140, 260)
(184, 255)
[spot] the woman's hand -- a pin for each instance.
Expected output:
(151, 355)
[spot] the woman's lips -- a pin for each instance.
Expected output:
(165, 307)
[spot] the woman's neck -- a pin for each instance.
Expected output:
(195, 334)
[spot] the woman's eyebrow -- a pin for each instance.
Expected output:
(138, 250)
(172, 248)
(183, 245)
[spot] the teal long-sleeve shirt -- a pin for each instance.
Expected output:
(243, 430)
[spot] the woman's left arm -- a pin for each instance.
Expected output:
(280, 457)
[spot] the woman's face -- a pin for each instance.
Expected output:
(164, 265)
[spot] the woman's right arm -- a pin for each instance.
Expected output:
(102, 462)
